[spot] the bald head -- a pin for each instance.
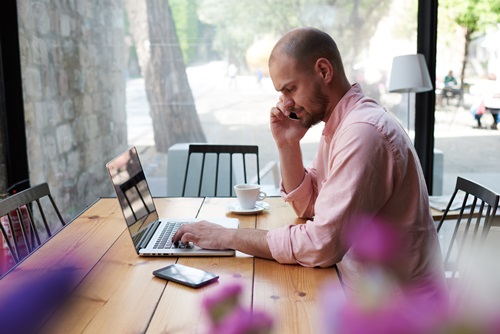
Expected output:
(305, 46)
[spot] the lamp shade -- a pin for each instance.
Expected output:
(409, 74)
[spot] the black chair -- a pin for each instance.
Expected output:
(476, 215)
(221, 166)
(24, 224)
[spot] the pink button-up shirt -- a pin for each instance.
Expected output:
(366, 166)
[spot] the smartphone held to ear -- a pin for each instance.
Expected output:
(185, 275)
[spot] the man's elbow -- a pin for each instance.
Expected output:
(305, 212)
(319, 259)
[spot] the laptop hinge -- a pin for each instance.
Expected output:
(151, 229)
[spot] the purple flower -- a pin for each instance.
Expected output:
(26, 306)
(227, 316)
(375, 241)
(409, 313)
(387, 303)
(242, 321)
(223, 302)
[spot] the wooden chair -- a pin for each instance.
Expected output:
(221, 167)
(469, 231)
(24, 224)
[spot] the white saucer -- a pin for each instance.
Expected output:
(235, 208)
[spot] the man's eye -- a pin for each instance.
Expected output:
(291, 90)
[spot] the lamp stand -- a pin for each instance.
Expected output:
(408, 119)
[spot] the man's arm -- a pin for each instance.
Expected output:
(291, 165)
(213, 236)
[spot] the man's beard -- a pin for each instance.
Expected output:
(317, 114)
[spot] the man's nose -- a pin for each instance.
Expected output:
(287, 102)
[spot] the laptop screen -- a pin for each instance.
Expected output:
(133, 193)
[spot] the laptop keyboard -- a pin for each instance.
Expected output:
(165, 239)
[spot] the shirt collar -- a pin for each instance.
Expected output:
(342, 109)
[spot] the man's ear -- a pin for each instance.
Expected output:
(324, 69)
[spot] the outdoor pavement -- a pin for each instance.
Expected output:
(237, 112)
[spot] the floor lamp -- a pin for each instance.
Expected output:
(409, 74)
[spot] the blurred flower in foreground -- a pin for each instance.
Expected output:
(227, 316)
(28, 305)
(394, 314)
(387, 304)
(375, 241)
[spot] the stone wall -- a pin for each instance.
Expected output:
(72, 59)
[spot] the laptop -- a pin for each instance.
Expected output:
(151, 235)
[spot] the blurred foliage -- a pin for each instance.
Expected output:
(405, 21)
(238, 23)
(473, 15)
(187, 27)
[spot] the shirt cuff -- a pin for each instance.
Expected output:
(279, 242)
(302, 191)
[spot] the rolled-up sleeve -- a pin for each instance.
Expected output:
(303, 197)
(279, 242)
(300, 244)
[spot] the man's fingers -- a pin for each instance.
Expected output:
(182, 237)
(189, 237)
(203, 234)
(179, 234)
(278, 114)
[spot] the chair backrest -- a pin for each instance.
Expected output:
(24, 224)
(476, 215)
(228, 165)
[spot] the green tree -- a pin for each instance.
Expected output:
(474, 16)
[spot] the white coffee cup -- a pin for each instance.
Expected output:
(248, 194)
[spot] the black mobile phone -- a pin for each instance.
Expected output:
(189, 276)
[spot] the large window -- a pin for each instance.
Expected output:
(100, 77)
(225, 47)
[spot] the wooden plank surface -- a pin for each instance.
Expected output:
(81, 244)
(117, 293)
(289, 292)
(184, 304)
(40, 280)
(120, 293)
(118, 296)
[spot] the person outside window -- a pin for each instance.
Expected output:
(451, 89)
(477, 110)
(449, 79)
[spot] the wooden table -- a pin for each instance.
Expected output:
(438, 214)
(115, 291)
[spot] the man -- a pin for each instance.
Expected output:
(365, 166)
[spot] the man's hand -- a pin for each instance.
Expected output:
(203, 234)
(286, 131)
(213, 236)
